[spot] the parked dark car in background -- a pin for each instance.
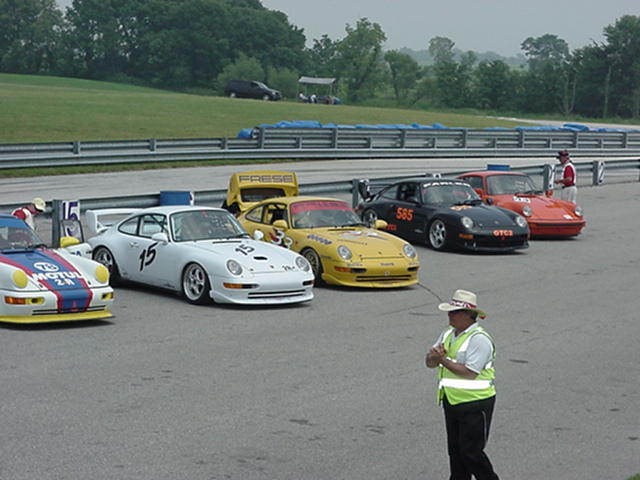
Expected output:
(250, 89)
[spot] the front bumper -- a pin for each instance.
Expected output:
(48, 310)
(263, 289)
(392, 273)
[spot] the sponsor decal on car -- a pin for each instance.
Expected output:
(521, 199)
(458, 208)
(265, 178)
(316, 238)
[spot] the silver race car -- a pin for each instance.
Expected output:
(201, 252)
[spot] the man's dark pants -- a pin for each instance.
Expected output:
(467, 434)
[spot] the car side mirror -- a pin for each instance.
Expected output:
(258, 235)
(68, 242)
(489, 201)
(549, 193)
(280, 224)
(478, 191)
(380, 224)
(160, 237)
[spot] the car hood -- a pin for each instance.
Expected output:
(43, 269)
(542, 207)
(484, 216)
(255, 255)
(360, 240)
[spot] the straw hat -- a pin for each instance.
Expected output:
(39, 204)
(463, 300)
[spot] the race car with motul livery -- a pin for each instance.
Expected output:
(41, 285)
(547, 216)
(445, 214)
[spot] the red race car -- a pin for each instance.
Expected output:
(547, 216)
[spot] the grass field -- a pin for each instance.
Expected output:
(52, 109)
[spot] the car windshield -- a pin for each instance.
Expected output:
(204, 225)
(449, 193)
(16, 235)
(510, 184)
(323, 213)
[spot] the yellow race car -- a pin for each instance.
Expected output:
(248, 188)
(337, 244)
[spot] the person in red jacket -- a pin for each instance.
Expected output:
(569, 177)
(28, 212)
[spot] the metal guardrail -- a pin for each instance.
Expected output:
(325, 143)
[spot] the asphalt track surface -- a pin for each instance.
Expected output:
(337, 388)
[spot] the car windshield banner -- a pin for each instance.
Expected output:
(318, 205)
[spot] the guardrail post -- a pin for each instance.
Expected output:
(625, 139)
(463, 140)
(575, 139)
(403, 138)
(548, 176)
(223, 143)
(152, 144)
(298, 142)
(56, 215)
(355, 195)
(334, 138)
(76, 147)
(597, 169)
(521, 139)
(260, 137)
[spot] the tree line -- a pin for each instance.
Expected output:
(197, 45)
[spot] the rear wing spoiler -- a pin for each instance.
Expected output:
(97, 223)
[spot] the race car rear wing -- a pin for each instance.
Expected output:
(100, 220)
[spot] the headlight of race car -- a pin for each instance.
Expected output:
(578, 211)
(409, 251)
(520, 221)
(234, 267)
(526, 211)
(344, 252)
(102, 274)
(467, 222)
(302, 264)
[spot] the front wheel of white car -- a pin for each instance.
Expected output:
(104, 256)
(195, 284)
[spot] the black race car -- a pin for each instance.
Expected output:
(445, 213)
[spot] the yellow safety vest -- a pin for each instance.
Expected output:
(458, 389)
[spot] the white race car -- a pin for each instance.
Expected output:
(202, 252)
(39, 285)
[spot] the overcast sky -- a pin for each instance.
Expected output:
(479, 25)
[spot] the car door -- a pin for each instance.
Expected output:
(147, 260)
(406, 212)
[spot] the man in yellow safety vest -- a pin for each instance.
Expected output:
(464, 355)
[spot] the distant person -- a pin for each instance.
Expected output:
(303, 98)
(464, 356)
(313, 98)
(568, 179)
(28, 212)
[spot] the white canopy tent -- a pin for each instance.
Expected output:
(330, 82)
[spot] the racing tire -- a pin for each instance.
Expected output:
(369, 217)
(316, 264)
(195, 284)
(266, 97)
(437, 236)
(104, 256)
